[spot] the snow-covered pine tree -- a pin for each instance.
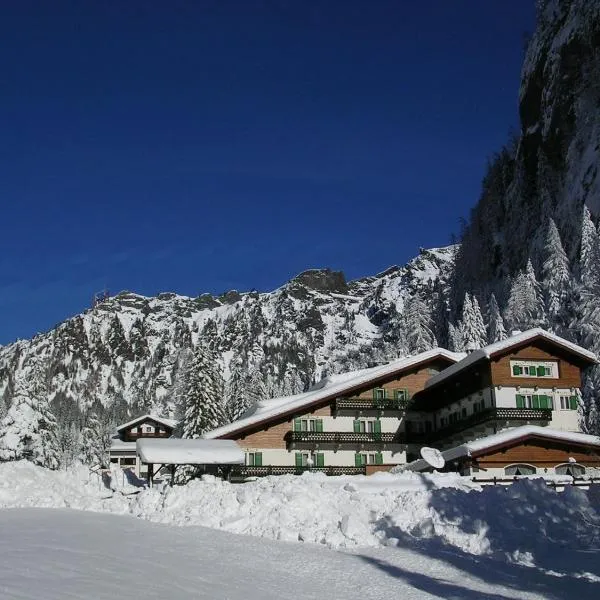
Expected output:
(590, 405)
(204, 406)
(416, 325)
(474, 335)
(97, 432)
(589, 261)
(237, 399)
(525, 306)
(455, 338)
(496, 329)
(29, 428)
(556, 276)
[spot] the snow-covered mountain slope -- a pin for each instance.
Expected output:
(127, 351)
(552, 166)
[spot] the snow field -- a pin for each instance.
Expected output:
(527, 523)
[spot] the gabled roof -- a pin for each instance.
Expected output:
(520, 339)
(162, 421)
(480, 446)
(329, 388)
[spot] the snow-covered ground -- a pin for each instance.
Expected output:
(429, 536)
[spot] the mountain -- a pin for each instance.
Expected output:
(127, 354)
(551, 167)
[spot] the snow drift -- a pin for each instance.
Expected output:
(526, 523)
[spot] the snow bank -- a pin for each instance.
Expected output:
(522, 523)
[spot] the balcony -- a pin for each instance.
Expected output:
(339, 438)
(380, 406)
(243, 471)
(479, 418)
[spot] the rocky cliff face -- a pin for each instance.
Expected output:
(129, 349)
(550, 169)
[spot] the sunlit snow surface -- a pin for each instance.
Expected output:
(404, 536)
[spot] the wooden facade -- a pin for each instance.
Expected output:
(569, 368)
(272, 433)
(538, 452)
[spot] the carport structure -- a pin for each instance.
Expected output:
(216, 456)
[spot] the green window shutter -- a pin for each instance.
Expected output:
(377, 426)
(573, 403)
(535, 401)
(541, 371)
(543, 401)
(258, 459)
(298, 459)
(357, 460)
(532, 371)
(297, 425)
(517, 370)
(375, 396)
(356, 426)
(320, 459)
(379, 458)
(520, 401)
(250, 459)
(406, 395)
(320, 425)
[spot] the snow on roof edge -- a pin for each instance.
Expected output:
(189, 451)
(310, 397)
(506, 436)
(487, 351)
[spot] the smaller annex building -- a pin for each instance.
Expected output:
(122, 450)
(525, 450)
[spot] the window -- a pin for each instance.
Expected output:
(306, 459)
(254, 459)
(534, 401)
(519, 470)
(308, 424)
(363, 426)
(114, 460)
(572, 469)
(533, 369)
(401, 395)
(127, 462)
(379, 394)
(568, 403)
(371, 458)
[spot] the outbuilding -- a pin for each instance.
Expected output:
(215, 457)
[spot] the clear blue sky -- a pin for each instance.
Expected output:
(206, 146)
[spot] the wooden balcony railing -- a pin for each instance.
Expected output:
(339, 437)
(479, 418)
(383, 405)
(248, 471)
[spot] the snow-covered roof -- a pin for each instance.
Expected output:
(166, 422)
(175, 451)
(330, 387)
(516, 340)
(118, 445)
(505, 437)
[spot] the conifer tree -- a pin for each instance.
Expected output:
(589, 261)
(496, 329)
(525, 306)
(237, 398)
(416, 324)
(29, 428)
(203, 401)
(556, 274)
(474, 335)
(455, 338)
